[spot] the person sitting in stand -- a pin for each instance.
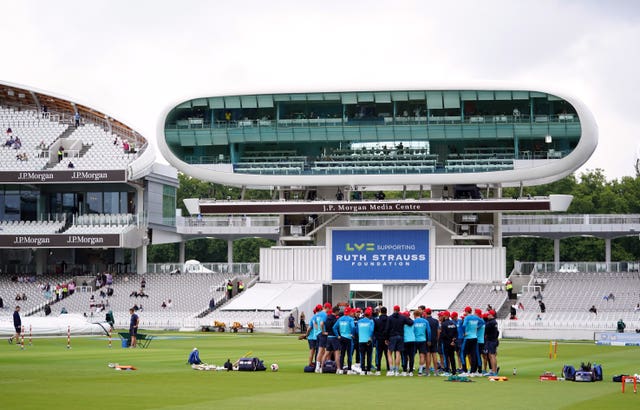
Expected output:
(593, 310)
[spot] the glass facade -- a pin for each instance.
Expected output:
(169, 195)
(444, 131)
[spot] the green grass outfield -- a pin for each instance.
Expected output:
(47, 375)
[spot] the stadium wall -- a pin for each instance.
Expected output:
(480, 264)
(294, 264)
(399, 295)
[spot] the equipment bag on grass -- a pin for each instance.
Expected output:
(329, 367)
(251, 364)
(569, 372)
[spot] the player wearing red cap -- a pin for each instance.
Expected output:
(365, 327)
(311, 337)
(395, 332)
(344, 328)
(449, 336)
(409, 353)
(332, 349)
(471, 324)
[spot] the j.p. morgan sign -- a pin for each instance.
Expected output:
(60, 177)
(59, 241)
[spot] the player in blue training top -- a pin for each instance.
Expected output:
(311, 337)
(459, 341)
(409, 353)
(364, 328)
(422, 332)
(482, 356)
(321, 334)
(345, 329)
(471, 324)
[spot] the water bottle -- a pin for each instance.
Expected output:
(514, 371)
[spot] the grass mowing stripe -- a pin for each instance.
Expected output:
(47, 375)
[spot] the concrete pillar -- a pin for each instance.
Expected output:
(497, 229)
(181, 252)
(230, 252)
(40, 256)
(607, 252)
(556, 254)
(118, 256)
(141, 259)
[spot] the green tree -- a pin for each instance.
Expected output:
(248, 249)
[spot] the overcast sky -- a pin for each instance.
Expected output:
(132, 59)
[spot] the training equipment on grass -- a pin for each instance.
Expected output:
(548, 376)
(68, 337)
(329, 366)
(235, 364)
(553, 349)
(274, 367)
(585, 373)
(250, 364)
(22, 339)
(498, 378)
(30, 341)
(458, 379)
(629, 379)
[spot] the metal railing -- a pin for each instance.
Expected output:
(248, 269)
(564, 219)
(585, 267)
(479, 120)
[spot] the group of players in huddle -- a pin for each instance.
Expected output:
(448, 345)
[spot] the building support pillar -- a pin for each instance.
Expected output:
(556, 254)
(181, 252)
(230, 253)
(141, 260)
(607, 252)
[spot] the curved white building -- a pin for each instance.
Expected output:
(495, 136)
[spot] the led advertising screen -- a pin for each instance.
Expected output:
(364, 255)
